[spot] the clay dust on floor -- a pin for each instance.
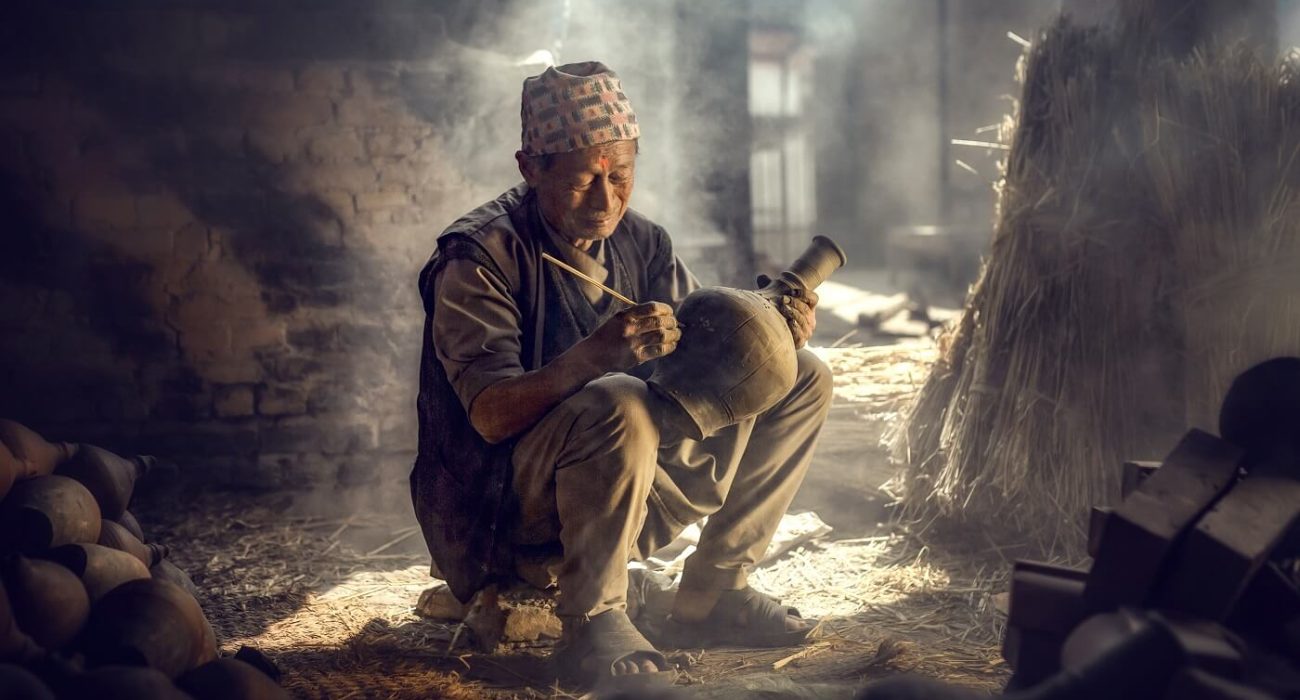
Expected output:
(331, 599)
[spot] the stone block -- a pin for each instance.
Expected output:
(233, 401)
(336, 146)
(280, 401)
(98, 210)
(382, 199)
(322, 79)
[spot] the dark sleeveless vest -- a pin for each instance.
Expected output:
(460, 484)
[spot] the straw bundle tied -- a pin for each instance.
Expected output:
(1137, 189)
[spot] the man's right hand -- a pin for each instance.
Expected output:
(632, 336)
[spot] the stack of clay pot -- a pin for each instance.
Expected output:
(87, 609)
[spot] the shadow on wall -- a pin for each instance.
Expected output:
(216, 218)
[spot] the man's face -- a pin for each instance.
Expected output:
(584, 193)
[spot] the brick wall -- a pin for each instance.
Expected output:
(215, 212)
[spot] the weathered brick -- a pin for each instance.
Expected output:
(312, 470)
(284, 112)
(162, 211)
(384, 143)
(383, 199)
(228, 370)
(275, 145)
(327, 434)
(322, 79)
(114, 210)
(297, 368)
(267, 473)
(266, 79)
(335, 146)
(280, 401)
(358, 470)
(205, 341)
(351, 177)
(389, 111)
(398, 432)
(168, 438)
(147, 244)
(339, 201)
(257, 334)
(233, 401)
(191, 242)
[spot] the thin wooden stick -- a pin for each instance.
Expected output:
(583, 276)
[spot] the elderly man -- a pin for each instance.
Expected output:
(539, 442)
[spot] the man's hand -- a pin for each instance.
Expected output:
(634, 335)
(800, 310)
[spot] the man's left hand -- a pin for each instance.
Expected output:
(799, 308)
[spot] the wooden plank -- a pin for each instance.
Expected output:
(1142, 532)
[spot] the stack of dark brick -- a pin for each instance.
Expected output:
(1192, 592)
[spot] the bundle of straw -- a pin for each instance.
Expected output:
(1112, 223)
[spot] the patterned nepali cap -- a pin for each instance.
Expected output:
(575, 106)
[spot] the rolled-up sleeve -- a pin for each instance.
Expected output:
(475, 329)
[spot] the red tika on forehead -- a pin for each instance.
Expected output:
(575, 106)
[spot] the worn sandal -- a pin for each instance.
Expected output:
(764, 627)
(608, 638)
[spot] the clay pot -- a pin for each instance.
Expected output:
(15, 645)
(125, 683)
(100, 568)
(167, 571)
(115, 535)
(49, 602)
(128, 521)
(230, 679)
(48, 511)
(17, 683)
(146, 623)
(110, 478)
(736, 357)
(35, 454)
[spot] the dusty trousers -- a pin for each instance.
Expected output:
(598, 476)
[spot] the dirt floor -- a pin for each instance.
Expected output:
(331, 599)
